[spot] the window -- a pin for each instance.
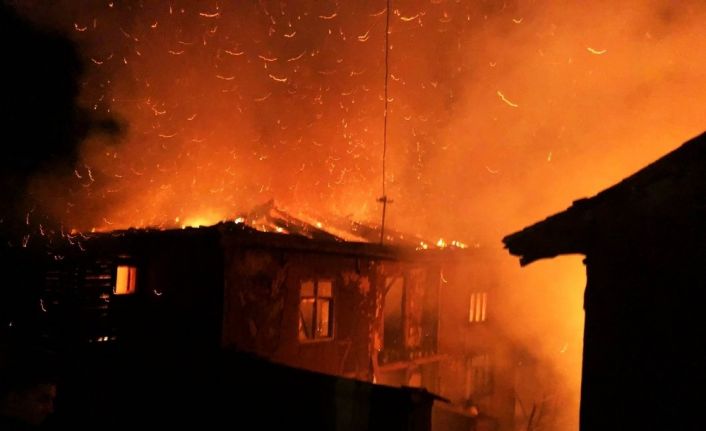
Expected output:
(125, 280)
(479, 376)
(316, 310)
(410, 316)
(477, 307)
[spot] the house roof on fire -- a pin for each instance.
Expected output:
(671, 189)
(267, 225)
(270, 218)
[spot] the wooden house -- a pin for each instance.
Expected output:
(645, 245)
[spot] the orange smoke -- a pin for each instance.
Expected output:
(502, 113)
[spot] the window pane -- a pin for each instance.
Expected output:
(323, 327)
(306, 319)
(307, 289)
(125, 280)
(472, 309)
(325, 289)
(484, 297)
(479, 305)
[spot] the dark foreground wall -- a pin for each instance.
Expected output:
(644, 343)
(227, 391)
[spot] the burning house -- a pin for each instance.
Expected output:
(644, 240)
(298, 293)
(268, 283)
(327, 298)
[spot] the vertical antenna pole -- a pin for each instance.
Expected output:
(384, 199)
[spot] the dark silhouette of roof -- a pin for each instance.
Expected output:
(665, 197)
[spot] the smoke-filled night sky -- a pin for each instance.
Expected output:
(500, 113)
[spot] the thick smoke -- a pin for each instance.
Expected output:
(41, 118)
(501, 112)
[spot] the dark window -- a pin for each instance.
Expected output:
(479, 376)
(410, 316)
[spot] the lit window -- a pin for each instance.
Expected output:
(477, 307)
(316, 310)
(125, 280)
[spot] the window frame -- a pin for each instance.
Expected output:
(479, 375)
(131, 274)
(477, 307)
(316, 298)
